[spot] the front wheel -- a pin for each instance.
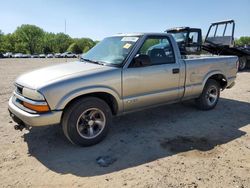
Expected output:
(86, 121)
(210, 95)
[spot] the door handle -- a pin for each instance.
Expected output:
(176, 71)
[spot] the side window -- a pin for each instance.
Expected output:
(159, 49)
(193, 38)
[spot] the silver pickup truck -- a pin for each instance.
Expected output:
(121, 74)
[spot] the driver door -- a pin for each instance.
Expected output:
(156, 83)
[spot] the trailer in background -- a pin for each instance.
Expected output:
(219, 40)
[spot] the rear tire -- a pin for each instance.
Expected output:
(210, 95)
(86, 121)
(242, 63)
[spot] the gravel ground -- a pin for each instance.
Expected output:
(169, 146)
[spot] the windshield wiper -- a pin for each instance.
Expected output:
(93, 61)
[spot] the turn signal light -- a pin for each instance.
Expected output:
(37, 108)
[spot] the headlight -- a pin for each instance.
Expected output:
(32, 94)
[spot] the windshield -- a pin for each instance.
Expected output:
(111, 50)
(180, 36)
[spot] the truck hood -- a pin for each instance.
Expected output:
(42, 77)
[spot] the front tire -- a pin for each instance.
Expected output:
(210, 95)
(86, 121)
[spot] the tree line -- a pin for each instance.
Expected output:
(30, 39)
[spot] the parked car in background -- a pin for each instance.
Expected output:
(68, 55)
(8, 55)
(1, 55)
(18, 55)
(42, 55)
(57, 55)
(26, 56)
(50, 56)
(34, 56)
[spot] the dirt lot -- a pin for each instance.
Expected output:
(169, 146)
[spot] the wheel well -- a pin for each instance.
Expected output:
(108, 98)
(220, 79)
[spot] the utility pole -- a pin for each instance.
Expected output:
(65, 27)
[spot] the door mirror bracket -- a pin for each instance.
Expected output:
(141, 60)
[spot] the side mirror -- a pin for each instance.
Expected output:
(141, 60)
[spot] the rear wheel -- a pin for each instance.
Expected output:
(86, 121)
(242, 63)
(210, 95)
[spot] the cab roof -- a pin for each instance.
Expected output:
(177, 29)
(140, 34)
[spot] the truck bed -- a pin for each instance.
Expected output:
(200, 67)
(202, 56)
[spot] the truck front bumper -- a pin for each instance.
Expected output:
(22, 117)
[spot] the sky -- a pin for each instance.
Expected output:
(97, 19)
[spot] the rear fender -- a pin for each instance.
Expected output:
(209, 75)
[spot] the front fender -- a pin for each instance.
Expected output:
(88, 90)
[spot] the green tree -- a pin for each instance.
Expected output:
(8, 43)
(29, 37)
(86, 49)
(49, 43)
(21, 47)
(74, 48)
(84, 43)
(1, 41)
(243, 41)
(62, 42)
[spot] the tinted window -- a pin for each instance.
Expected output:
(193, 38)
(159, 49)
(180, 36)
